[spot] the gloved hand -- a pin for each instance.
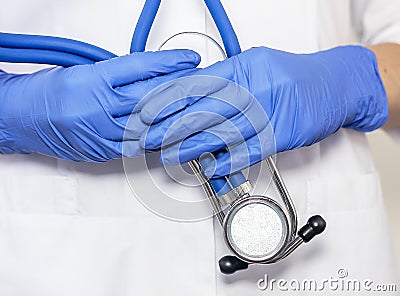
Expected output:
(79, 113)
(298, 100)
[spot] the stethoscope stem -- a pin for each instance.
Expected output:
(284, 193)
(208, 189)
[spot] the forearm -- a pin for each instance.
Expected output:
(388, 56)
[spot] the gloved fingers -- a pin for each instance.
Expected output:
(127, 69)
(125, 143)
(123, 128)
(131, 148)
(175, 95)
(133, 126)
(188, 90)
(192, 148)
(210, 116)
(196, 118)
(129, 95)
(128, 145)
(243, 155)
(216, 81)
(104, 126)
(226, 134)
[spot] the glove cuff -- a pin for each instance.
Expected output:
(368, 109)
(352, 75)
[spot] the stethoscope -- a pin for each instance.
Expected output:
(257, 230)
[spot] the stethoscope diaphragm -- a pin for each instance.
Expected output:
(256, 229)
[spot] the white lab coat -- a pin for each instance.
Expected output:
(77, 229)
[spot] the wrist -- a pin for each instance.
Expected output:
(388, 57)
(363, 92)
(371, 105)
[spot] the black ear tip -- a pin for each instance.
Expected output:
(317, 223)
(231, 264)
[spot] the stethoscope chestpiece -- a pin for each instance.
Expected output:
(256, 229)
(273, 251)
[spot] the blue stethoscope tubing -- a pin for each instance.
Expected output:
(22, 48)
(216, 10)
(232, 47)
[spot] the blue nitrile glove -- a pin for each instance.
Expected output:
(79, 113)
(305, 98)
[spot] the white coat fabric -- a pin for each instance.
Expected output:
(77, 229)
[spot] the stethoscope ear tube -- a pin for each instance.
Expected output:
(217, 11)
(228, 35)
(144, 24)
